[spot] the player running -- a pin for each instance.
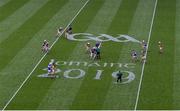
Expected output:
(93, 53)
(160, 47)
(97, 56)
(134, 56)
(143, 58)
(143, 42)
(52, 68)
(97, 51)
(98, 44)
(45, 46)
(88, 47)
(144, 46)
(46, 49)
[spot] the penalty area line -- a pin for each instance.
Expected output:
(43, 57)
(142, 71)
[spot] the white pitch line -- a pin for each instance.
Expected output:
(142, 71)
(42, 58)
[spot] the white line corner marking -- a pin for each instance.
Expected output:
(142, 71)
(42, 58)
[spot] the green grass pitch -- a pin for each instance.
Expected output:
(84, 83)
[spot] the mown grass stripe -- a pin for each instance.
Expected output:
(127, 93)
(83, 19)
(10, 7)
(122, 20)
(19, 17)
(70, 9)
(23, 34)
(144, 62)
(59, 90)
(67, 88)
(160, 67)
(3, 2)
(42, 18)
(92, 93)
(21, 62)
(176, 87)
(84, 99)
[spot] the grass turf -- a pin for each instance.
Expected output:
(86, 92)
(159, 69)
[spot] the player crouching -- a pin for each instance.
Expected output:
(68, 31)
(59, 31)
(45, 46)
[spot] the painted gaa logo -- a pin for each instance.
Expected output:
(80, 73)
(101, 37)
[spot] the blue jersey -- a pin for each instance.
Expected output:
(97, 44)
(49, 68)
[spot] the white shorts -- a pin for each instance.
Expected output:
(46, 48)
(59, 33)
(143, 57)
(134, 57)
(49, 71)
(92, 54)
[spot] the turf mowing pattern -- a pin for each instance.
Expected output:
(160, 75)
(10, 24)
(94, 100)
(24, 24)
(10, 7)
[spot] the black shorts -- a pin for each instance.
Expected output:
(119, 78)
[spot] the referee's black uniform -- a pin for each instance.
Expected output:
(119, 76)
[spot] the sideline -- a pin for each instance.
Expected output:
(142, 71)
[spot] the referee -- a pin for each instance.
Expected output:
(119, 76)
